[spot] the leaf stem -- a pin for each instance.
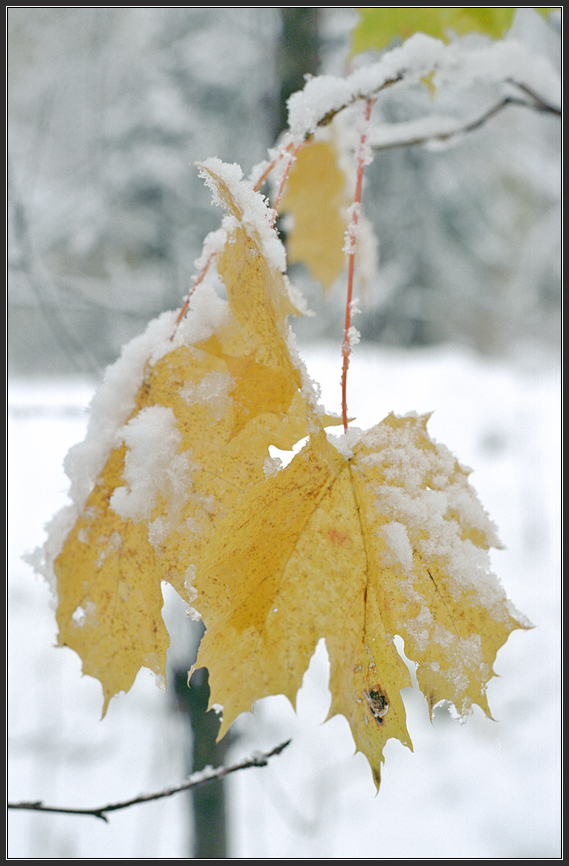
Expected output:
(284, 179)
(363, 158)
(196, 283)
(279, 155)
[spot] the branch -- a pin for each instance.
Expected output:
(323, 97)
(194, 781)
(359, 97)
(538, 103)
(470, 126)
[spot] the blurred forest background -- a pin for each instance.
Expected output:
(108, 107)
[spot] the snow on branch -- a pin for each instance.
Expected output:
(504, 62)
(196, 779)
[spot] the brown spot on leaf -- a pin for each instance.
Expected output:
(339, 538)
(377, 703)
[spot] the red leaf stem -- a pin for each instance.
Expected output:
(351, 241)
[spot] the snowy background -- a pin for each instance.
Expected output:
(108, 108)
(485, 789)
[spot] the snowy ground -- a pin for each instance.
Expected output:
(483, 790)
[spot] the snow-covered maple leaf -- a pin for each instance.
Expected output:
(361, 538)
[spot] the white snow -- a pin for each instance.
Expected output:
(398, 552)
(111, 406)
(344, 442)
(351, 234)
(484, 790)
(212, 246)
(208, 312)
(255, 213)
(155, 472)
(496, 63)
(214, 390)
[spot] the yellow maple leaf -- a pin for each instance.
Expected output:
(204, 417)
(358, 548)
(358, 540)
(315, 197)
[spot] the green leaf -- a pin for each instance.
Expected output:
(378, 26)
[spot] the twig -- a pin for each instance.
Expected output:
(195, 284)
(329, 117)
(199, 779)
(291, 159)
(278, 156)
(537, 105)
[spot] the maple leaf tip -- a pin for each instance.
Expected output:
(106, 702)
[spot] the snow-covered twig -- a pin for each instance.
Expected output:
(500, 63)
(196, 779)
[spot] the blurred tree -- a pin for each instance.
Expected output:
(298, 55)
(109, 106)
(208, 803)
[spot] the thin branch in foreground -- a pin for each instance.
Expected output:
(197, 779)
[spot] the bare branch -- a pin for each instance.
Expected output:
(539, 104)
(193, 782)
(536, 105)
